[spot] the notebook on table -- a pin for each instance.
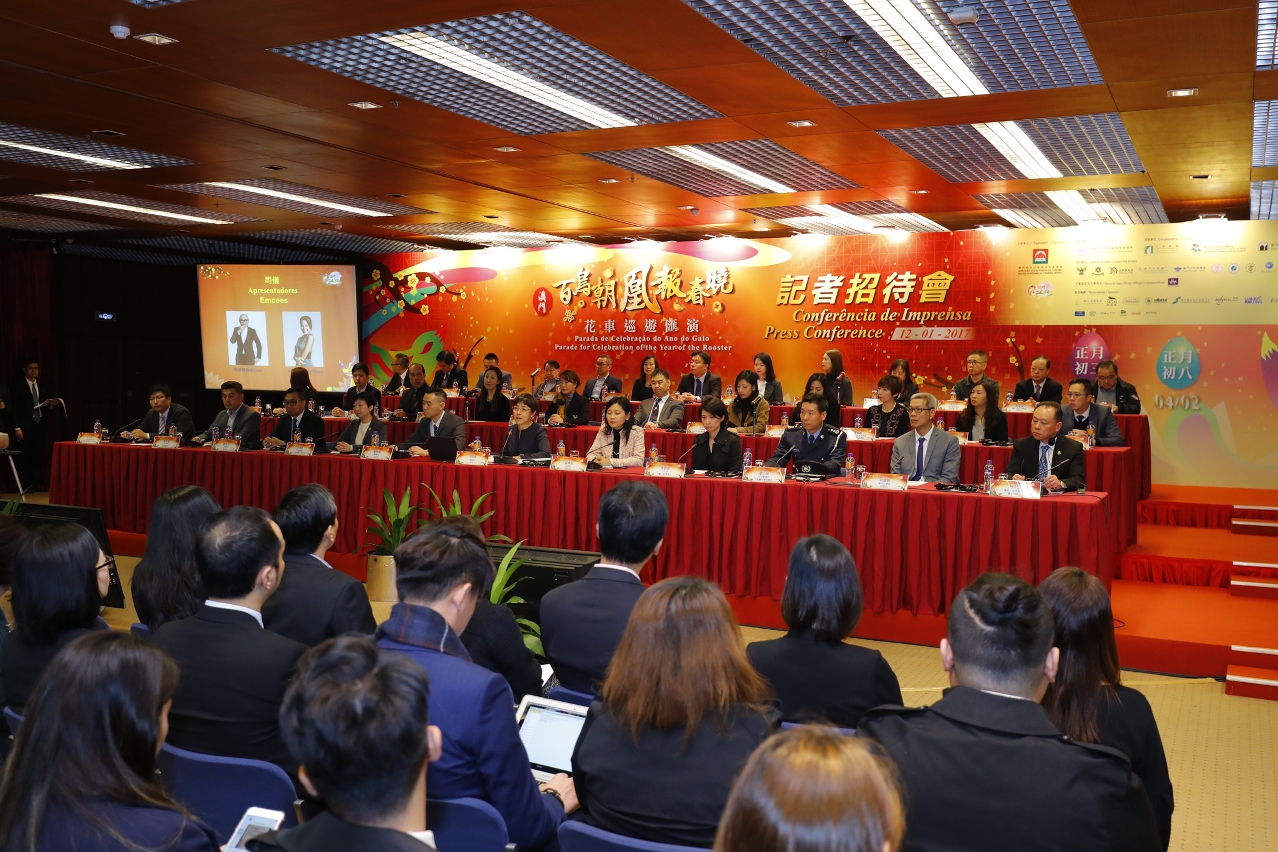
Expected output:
(549, 731)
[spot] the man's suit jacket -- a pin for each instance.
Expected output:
(1052, 390)
(234, 675)
(1067, 461)
(396, 383)
(411, 399)
(711, 385)
(248, 347)
(576, 411)
(940, 460)
(450, 426)
(1107, 432)
(670, 416)
(248, 425)
(494, 640)
(312, 427)
(445, 380)
(348, 398)
(825, 454)
(375, 427)
(175, 416)
(582, 623)
(315, 602)
(23, 405)
(328, 833)
(611, 384)
(988, 773)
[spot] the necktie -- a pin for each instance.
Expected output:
(432, 428)
(697, 387)
(811, 439)
(656, 411)
(230, 421)
(918, 461)
(1044, 463)
(297, 426)
(164, 416)
(38, 414)
(1038, 392)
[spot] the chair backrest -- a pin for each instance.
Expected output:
(785, 726)
(466, 825)
(13, 720)
(576, 836)
(137, 628)
(219, 790)
(572, 696)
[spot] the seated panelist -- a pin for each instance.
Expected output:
(815, 446)
(661, 411)
(1081, 410)
(360, 431)
(410, 401)
(716, 449)
(297, 424)
(1046, 455)
(926, 453)
(620, 440)
(437, 422)
(165, 414)
(360, 384)
(526, 438)
(569, 407)
(236, 419)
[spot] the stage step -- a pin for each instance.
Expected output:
(1242, 526)
(1203, 512)
(1256, 658)
(1250, 682)
(1250, 586)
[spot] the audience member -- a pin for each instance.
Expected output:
(832, 366)
(11, 532)
(298, 424)
(982, 419)
(642, 388)
(660, 410)
(399, 374)
(603, 383)
(440, 578)
(814, 674)
(82, 775)
(164, 415)
(166, 583)
(926, 453)
(60, 576)
(901, 369)
(236, 418)
(717, 449)
(582, 622)
(1088, 702)
(550, 384)
(679, 714)
(820, 384)
(411, 398)
(448, 375)
(437, 422)
(313, 601)
(361, 431)
(769, 384)
(493, 406)
(748, 412)
(234, 672)
(817, 447)
(1082, 411)
(1119, 395)
(1039, 387)
(984, 768)
(1046, 455)
(359, 385)
(569, 408)
(813, 789)
(977, 361)
(620, 441)
(492, 362)
(357, 723)
(890, 417)
(699, 381)
(525, 437)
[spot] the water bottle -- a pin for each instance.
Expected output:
(476, 444)
(561, 450)
(857, 423)
(455, 388)
(847, 469)
(377, 439)
(172, 431)
(953, 395)
(653, 453)
(1007, 400)
(989, 475)
(216, 432)
(321, 412)
(747, 458)
(97, 429)
(377, 410)
(297, 436)
(940, 423)
(257, 403)
(310, 405)
(785, 420)
(505, 388)
(1091, 435)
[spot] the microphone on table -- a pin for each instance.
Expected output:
(126, 427)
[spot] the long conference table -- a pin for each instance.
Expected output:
(915, 549)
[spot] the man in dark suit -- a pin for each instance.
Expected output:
(814, 446)
(31, 405)
(663, 411)
(1039, 387)
(410, 401)
(298, 422)
(359, 375)
(164, 415)
(437, 422)
(1082, 411)
(236, 419)
(448, 375)
(700, 382)
(248, 347)
(439, 577)
(371, 776)
(1046, 455)
(604, 384)
(984, 768)
(582, 622)
(1119, 395)
(399, 374)
(314, 601)
(234, 672)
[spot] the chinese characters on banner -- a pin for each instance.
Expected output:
(641, 290)
(863, 287)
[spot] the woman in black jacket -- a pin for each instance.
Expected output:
(492, 405)
(816, 676)
(569, 408)
(769, 384)
(832, 364)
(1087, 701)
(526, 438)
(716, 448)
(983, 420)
(642, 388)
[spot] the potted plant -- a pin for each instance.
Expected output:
(503, 593)
(390, 528)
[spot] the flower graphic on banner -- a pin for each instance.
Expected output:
(1269, 368)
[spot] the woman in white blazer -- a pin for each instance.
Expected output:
(619, 442)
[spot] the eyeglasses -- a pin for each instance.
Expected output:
(914, 410)
(1075, 395)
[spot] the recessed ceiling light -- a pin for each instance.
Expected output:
(1212, 216)
(1200, 177)
(275, 168)
(491, 216)
(760, 226)
(108, 133)
(181, 231)
(150, 211)
(1181, 93)
(394, 195)
(289, 196)
(365, 105)
(609, 180)
(79, 180)
(506, 149)
(71, 155)
(156, 38)
(802, 122)
(918, 192)
(685, 207)
(327, 223)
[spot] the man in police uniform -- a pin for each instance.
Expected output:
(984, 768)
(816, 447)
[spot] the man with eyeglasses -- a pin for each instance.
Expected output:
(1120, 396)
(297, 424)
(1046, 455)
(165, 414)
(604, 384)
(926, 453)
(977, 361)
(1082, 411)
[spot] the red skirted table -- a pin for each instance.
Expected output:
(915, 549)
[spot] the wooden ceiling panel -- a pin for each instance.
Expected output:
(744, 89)
(905, 173)
(1208, 42)
(1093, 11)
(777, 125)
(1212, 89)
(830, 149)
(995, 187)
(33, 46)
(699, 132)
(1004, 106)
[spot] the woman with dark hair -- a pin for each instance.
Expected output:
(889, 416)
(526, 438)
(769, 385)
(716, 449)
(816, 676)
(305, 344)
(642, 388)
(748, 413)
(1087, 702)
(678, 716)
(832, 364)
(619, 442)
(569, 408)
(166, 584)
(82, 773)
(492, 405)
(813, 789)
(983, 420)
(901, 369)
(820, 384)
(60, 576)
(11, 532)
(299, 379)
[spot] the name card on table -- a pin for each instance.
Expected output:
(696, 428)
(854, 434)
(963, 437)
(451, 393)
(88, 438)
(1023, 489)
(381, 452)
(299, 448)
(226, 445)
(763, 474)
(166, 442)
(568, 463)
(870, 402)
(1019, 407)
(775, 431)
(885, 481)
(669, 470)
(957, 405)
(474, 458)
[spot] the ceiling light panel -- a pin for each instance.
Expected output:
(47, 224)
(338, 241)
(1267, 37)
(210, 250)
(1263, 200)
(873, 51)
(1135, 205)
(1264, 134)
(154, 4)
(73, 154)
(860, 217)
(484, 233)
(510, 70)
(298, 198)
(124, 207)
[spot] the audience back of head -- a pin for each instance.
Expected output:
(166, 583)
(428, 567)
(232, 548)
(304, 515)
(1084, 634)
(11, 532)
(632, 522)
(822, 590)
(1000, 634)
(55, 582)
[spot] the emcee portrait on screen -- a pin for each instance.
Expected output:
(248, 348)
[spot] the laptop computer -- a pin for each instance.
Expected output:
(441, 448)
(549, 731)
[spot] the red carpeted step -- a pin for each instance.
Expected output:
(1206, 507)
(1252, 682)
(1190, 556)
(1242, 526)
(1252, 585)
(1253, 657)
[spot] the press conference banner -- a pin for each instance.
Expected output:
(1189, 312)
